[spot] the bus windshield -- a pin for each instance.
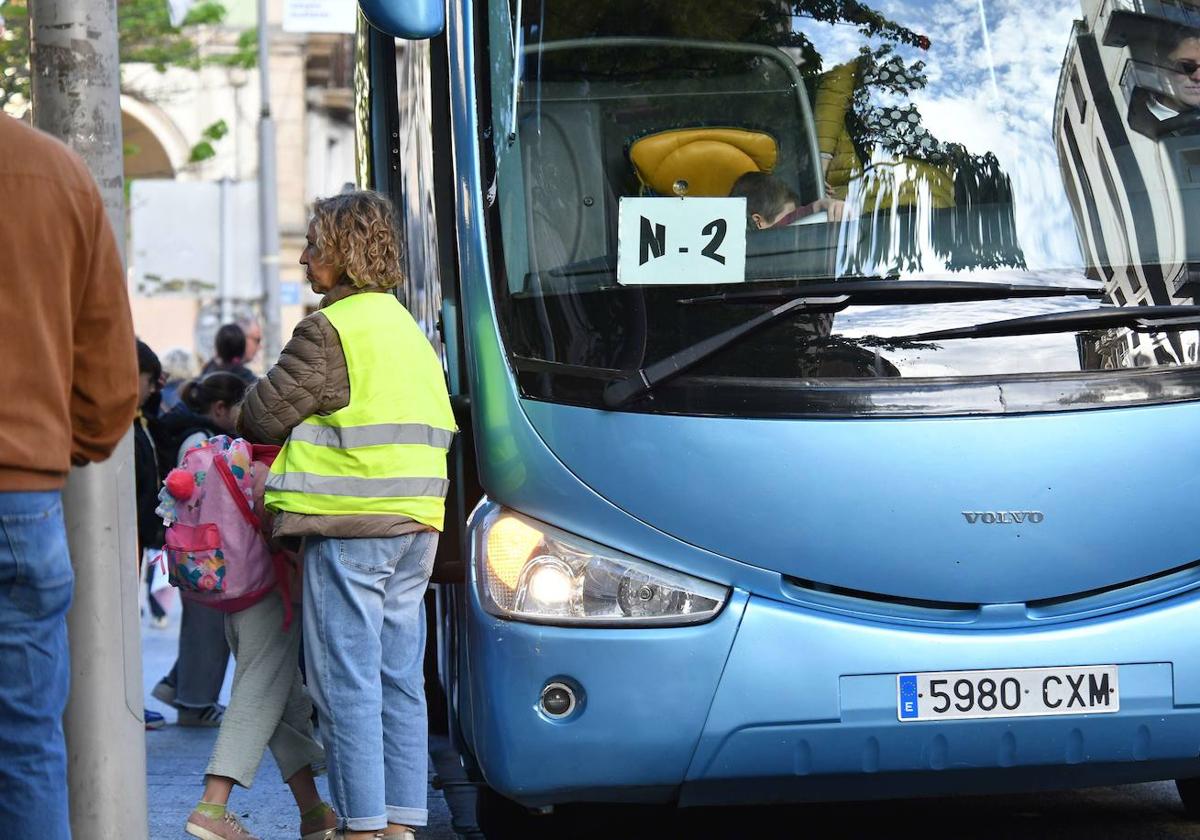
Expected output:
(663, 171)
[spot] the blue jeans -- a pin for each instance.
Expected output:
(199, 669)
(36, 581)
(364, 648)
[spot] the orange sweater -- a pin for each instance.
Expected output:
(68, 365)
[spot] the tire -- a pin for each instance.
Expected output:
(1189, 793)
(499, 818)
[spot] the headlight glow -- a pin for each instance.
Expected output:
(549, 583)
(535, 572)
(510, 543)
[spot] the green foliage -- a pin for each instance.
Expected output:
(204, 149)
(205, 12)
(145, 34)
(14, 57)
(215, 131)
(246, 54)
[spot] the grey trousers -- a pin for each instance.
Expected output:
(268, 705)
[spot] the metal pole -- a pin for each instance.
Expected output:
(268, 219)
(76, 96)
(225, 299)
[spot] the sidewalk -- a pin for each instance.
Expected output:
(176, 758)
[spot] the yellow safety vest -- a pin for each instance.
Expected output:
(385, 452)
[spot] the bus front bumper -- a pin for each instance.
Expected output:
(771, 702)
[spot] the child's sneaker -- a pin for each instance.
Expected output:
(204, 716)
(153, 719)
(225, 827)
(164, 692)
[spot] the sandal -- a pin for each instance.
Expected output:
(312, 823)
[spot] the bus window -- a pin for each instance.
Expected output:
(901, 152)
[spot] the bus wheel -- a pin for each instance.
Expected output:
(499, 818)
(1189, 792)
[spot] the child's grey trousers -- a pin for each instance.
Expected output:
(268, 705)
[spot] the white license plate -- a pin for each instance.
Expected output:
(1013, 692)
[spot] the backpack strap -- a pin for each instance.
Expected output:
(231, 484)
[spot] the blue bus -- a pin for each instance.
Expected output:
(827, 377)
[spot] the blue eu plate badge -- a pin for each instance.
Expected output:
(908, 696)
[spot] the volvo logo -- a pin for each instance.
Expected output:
(1003, 517)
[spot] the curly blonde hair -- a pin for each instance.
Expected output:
(356, 232)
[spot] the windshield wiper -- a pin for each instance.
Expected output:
(819, 298)
(884, 292)
(1138, 318)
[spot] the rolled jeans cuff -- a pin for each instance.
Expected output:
(366, 823)
(413, 817)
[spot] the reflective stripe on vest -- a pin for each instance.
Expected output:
(378, 434)
(337, 485)
(385, 452)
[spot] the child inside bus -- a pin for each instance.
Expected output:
(772, 203)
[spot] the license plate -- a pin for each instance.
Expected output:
(1013, 692)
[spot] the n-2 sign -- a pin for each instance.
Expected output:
(681, 241)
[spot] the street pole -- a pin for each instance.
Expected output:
(76, 97)
(268, 217)
(225, 289)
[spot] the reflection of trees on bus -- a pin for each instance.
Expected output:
(886, 163)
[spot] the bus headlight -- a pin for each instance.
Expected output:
(535, 572)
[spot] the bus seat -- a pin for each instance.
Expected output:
(709, 159)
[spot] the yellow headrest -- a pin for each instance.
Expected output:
(709, 159)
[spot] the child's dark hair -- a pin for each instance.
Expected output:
(230, 343)
(148, 361)
(200, 394)
(765, 195)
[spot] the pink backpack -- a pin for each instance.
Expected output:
(215, 550)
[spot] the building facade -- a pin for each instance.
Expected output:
(1130, 157)
(165, 115)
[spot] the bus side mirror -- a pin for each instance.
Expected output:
(408, 19)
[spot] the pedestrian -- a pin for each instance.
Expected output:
(146, 485)
(207, 408)
(268, 706)
(230, 356)
(358, 394)
(70, 381)
(253, 332)
(179, 368)
(145, 460)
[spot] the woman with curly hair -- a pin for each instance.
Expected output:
(358, 400)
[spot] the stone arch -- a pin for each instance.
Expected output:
(156, 148)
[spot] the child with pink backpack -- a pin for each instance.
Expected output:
(217, 555)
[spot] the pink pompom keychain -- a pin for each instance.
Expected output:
(181, 484)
